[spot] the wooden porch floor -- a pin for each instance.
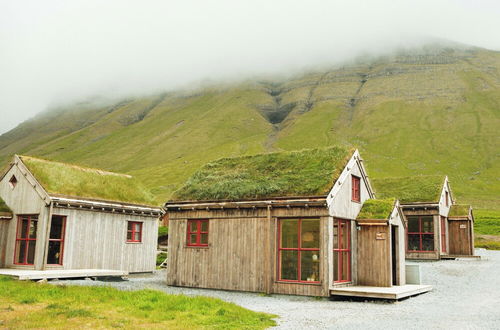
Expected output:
(393, 293)
(457, 256)
(25, 274)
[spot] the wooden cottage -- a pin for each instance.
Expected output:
(461, 230)
(381, 248)
(426, 202)
(281, 223)
(60, 216)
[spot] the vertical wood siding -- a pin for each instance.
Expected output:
(238, 256)
(461, 239)
(374, 256)
(23, 199)
(97, 240)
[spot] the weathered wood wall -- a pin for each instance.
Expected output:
(242, 251)
(24, 198)
(461, 237)
(374, 256)
(98, 240)
(4, 226)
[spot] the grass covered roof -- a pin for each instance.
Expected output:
(4, 209)
(411, 189)
(310, 172)
(459, 210)
(71, 180)
(376, 209)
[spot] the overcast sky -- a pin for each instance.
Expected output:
(59, 51)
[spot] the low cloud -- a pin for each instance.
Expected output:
(59, 51)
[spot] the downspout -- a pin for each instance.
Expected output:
(47, 233)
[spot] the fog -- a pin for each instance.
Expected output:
(60, 51)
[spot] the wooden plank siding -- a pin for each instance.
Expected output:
(4, 226)
(461, 237)
(242, 251)
(374, 256)
(97, 240)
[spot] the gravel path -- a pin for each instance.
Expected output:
(466, 295)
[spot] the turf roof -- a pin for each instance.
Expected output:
(376, 209)
(411, 189)
(459, 210)
(310, 172)
(4, 209)
(72, 180)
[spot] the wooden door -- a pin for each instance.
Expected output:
(459, 237)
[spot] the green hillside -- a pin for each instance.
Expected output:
(432, 111)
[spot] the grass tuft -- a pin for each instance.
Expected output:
(376, 209)
(421, 188)
(72, 180)
(299, 173)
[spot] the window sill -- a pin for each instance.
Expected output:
(341, 283)
(414, 251)
(133, 242)
(197, 246)
(298, 282)
(359, 202)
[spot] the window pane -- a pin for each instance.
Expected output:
(204, 239)
(336, 266)
(137, 237)
(427, 225)
(192, 239)
(346, 266)
(129, 236)
(31, 252)
(413, 242)
(413, 225)
(56, 228)
(24, 228)
(310, 233)
(129, 225)
(309, 266)
(289, 233)
(54, 253)
(137, 227)
(20, 252)
(335, 234)
(204, 225)
(345, 227)
(427, 242)
(193, 226)
(289, 265)
(33, 227)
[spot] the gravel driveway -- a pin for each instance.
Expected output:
(466, 295)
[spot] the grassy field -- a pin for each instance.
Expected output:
(34, 305)
(487, 229)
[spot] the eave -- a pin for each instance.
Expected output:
(104, 206)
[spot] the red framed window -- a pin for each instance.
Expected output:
(299, 250)
(443, 234)
(56, 240)
(342, 250)
(356, 192)
(134, 232)
(24, 252)
(420, 234)
(197, 233)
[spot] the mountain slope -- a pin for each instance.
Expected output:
(432, 111)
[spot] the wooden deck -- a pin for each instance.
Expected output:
(393, 293)
(22, 274)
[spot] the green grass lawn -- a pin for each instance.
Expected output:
(35, 305)
(487, 229)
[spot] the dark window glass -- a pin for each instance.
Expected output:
(289, 264)
(413, 225)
